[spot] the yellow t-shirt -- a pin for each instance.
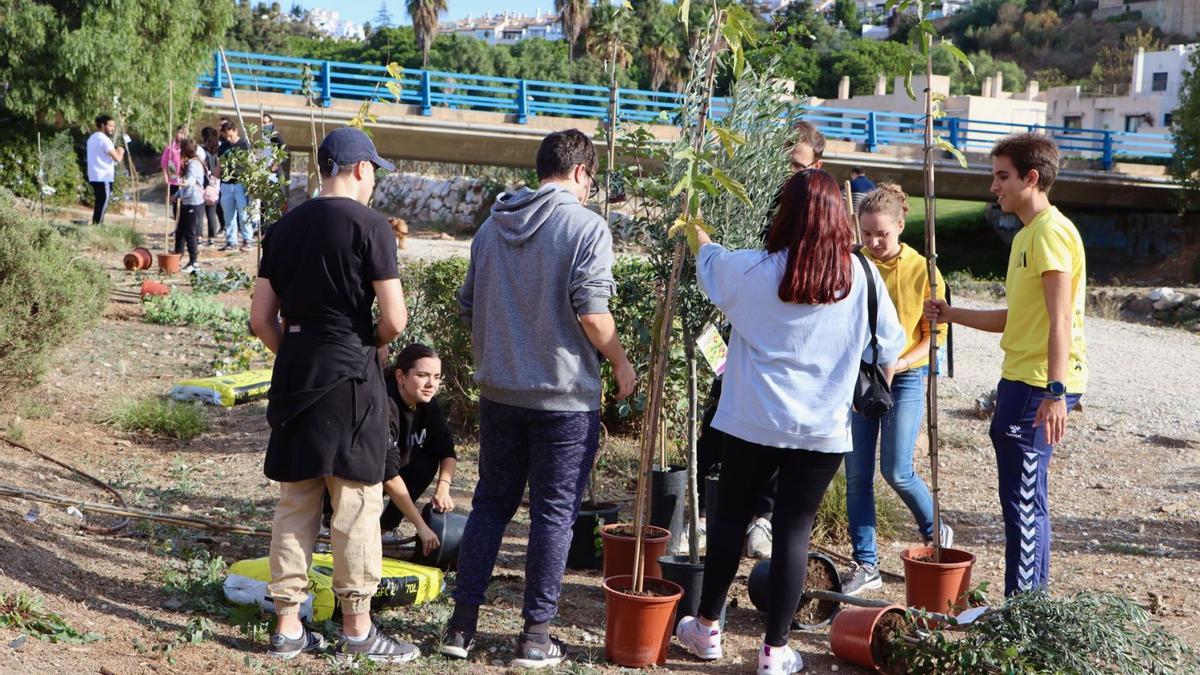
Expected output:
(1048, 244)
(907, 279)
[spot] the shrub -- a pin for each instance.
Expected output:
(59, 164)
(114, 238)
(161, 416)
(832, 524)
(183, 309)
(49, 295)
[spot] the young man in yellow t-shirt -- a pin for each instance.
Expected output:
(1045, 365)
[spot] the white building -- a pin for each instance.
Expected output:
(506, 28)
(329, 23)
(1153, 96)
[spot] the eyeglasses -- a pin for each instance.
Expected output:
(593, 189)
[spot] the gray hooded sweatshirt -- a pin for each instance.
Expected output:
(539, 261)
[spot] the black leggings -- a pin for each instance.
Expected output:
(185, 230)
(214, 222)
(746, 469)
(100, 195)
(708, 455)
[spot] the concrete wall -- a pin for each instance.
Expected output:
(1172, 16)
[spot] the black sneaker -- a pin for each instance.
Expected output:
(458, 643)
(533, 653)
(289, 648)
(379, 648)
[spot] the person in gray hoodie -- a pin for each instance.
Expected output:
(536, 297)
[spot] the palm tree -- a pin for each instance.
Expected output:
(661, 48)
(574, 15)
(611, 30)
(424, 14)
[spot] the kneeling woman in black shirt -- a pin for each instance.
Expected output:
(423, 445)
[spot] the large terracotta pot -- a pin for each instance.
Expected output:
(936, 586)
(138, 259)
(858, 638)
(619, 549)
(168, 263)
(637, 631)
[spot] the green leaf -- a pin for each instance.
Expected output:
(958, 54)
(395, 90)
(728, 138)
(684, 7)
(395, 70)
(732, 185)
(685, 183)
(908, 85)
(944, 144)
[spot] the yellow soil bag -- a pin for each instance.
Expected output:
(402, 583)
(225, 390)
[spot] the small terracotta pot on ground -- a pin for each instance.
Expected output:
(638, 627)
(138, 259)
(168, 263)
(859, 635)
(151, 287)
(619, 542)
(936, 586)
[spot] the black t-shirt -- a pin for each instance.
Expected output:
(321, 258)
(328, 401)
(420, 435)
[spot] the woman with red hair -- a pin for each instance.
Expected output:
(798, 312)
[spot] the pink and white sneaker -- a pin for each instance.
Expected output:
(702, 641)
(779, 661)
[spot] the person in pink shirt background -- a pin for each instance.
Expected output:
(171, 163)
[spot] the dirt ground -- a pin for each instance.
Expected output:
(1125, 494)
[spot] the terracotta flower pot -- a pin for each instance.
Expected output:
(638, 629)
(619, 549)
(858, 635)
(151, 287)
(168, 263)
(936, 586)
(138, 259)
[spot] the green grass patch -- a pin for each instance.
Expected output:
(966, 243)
(184, 309)
(161, 416)
(114, 238)
(832, 523)
(25, 613)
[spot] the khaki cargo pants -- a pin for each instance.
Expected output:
(354, 531)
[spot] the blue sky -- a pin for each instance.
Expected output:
(365, 10)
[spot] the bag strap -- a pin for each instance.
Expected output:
(872, 304)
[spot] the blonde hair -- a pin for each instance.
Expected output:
(888, 199)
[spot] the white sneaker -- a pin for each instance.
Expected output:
(699, 640)
(758, 539)
(947, 536)
(779, 661)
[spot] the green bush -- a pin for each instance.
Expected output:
(113, 238)
(183, 309)
(161, 416)
(831, 526)
(59, 165)
(48, 296)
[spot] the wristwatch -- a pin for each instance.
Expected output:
(1056, 389)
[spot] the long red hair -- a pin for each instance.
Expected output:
(811, 224)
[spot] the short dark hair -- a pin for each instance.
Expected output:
(412, 353)
(268, 116)
(228, 126)
(101, 120)
(187, 148)
(562, 150)
(808, 134)
(857, 171)
(1029, 151)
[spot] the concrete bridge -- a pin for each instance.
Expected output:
(467, 119)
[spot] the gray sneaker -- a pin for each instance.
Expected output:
(758, 539)
(947, 536)
(379, 648)
(458, 643)
(860, 578)
(535, 654)
(284, 647)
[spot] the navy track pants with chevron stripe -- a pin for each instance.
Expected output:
(1023, 465)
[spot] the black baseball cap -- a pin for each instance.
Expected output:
(348, 145)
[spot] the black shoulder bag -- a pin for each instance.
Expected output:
(872, 393)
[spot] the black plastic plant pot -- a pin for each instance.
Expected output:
(587, 548)
(690, 576)
(811, 614)
(449, 530)
(712, 486)
(668, 502)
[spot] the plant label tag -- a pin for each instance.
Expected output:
(712, 346)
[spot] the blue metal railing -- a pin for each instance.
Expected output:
(523, 99)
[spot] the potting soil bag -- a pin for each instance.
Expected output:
(402, 583)
(225, 390)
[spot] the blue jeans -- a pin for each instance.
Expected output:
(896, 433)
(237, 218)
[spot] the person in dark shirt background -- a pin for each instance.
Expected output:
(860, 185)
(424, 446)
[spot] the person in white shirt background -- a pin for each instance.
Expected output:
(102, 159)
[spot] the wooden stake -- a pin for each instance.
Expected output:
(133, 174)
(853, 216)
(167, 170)
(931, 257)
